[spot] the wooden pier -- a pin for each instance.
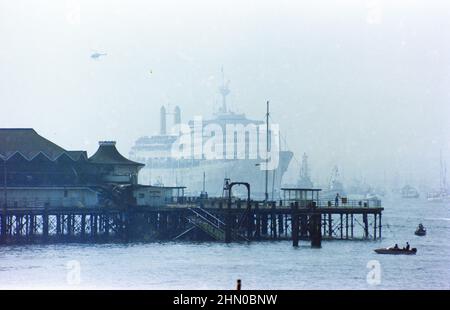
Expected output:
(225, 220)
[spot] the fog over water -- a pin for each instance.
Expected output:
(360, 84)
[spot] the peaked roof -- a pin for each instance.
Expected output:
(29, 144)
(108, 154)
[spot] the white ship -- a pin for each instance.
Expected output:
(199, 173)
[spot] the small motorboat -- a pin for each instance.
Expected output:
(396, 251)
(420, 231)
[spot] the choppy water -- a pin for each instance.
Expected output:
(266, 265)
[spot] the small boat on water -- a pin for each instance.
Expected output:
(396, 251)
(420, 231)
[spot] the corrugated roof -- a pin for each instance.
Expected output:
(108, 154)
(27, 143)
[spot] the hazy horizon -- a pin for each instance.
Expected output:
(359, 84)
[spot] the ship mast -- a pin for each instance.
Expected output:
(224, 90)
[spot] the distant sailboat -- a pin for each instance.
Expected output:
(443, 194)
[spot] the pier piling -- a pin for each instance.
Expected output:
(295, 224)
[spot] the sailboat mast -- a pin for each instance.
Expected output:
(443, 173)
(267, 156)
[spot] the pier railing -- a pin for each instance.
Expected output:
(217, 202)
(40, 203)
(209, 203)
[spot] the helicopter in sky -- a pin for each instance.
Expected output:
(97, 55)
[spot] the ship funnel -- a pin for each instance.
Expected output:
(162, 121)
(177, 115)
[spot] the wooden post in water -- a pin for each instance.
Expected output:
(294, 223)
(330, 225)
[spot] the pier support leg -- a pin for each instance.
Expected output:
(3, 227)
(45, 226)
(258, 222)
(228, 224)
(346, 226)
(316, 230)
(83, 227)
(280, 225)
(342, 226)
(264, 224)
(294, 223)
(324, 224)
(351, 225)
(286, 225)
(304, 226)
(273, 222)
(31, 226)
(330, 225)
(58, 226)
(69, 225)
(250, 222)
(106, 225)
(366, 226)
(379, 225)
(374, 226)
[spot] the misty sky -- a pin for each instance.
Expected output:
(360, 84)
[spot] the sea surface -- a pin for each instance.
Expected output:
(264, 265)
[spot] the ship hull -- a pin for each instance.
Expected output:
(215, 172)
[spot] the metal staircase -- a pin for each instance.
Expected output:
(210, 224)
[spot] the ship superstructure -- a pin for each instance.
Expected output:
(236, 154)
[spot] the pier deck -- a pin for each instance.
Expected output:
(194, 219)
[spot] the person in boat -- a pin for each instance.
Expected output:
(336, 200)
(421, 228)
(407, 246)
